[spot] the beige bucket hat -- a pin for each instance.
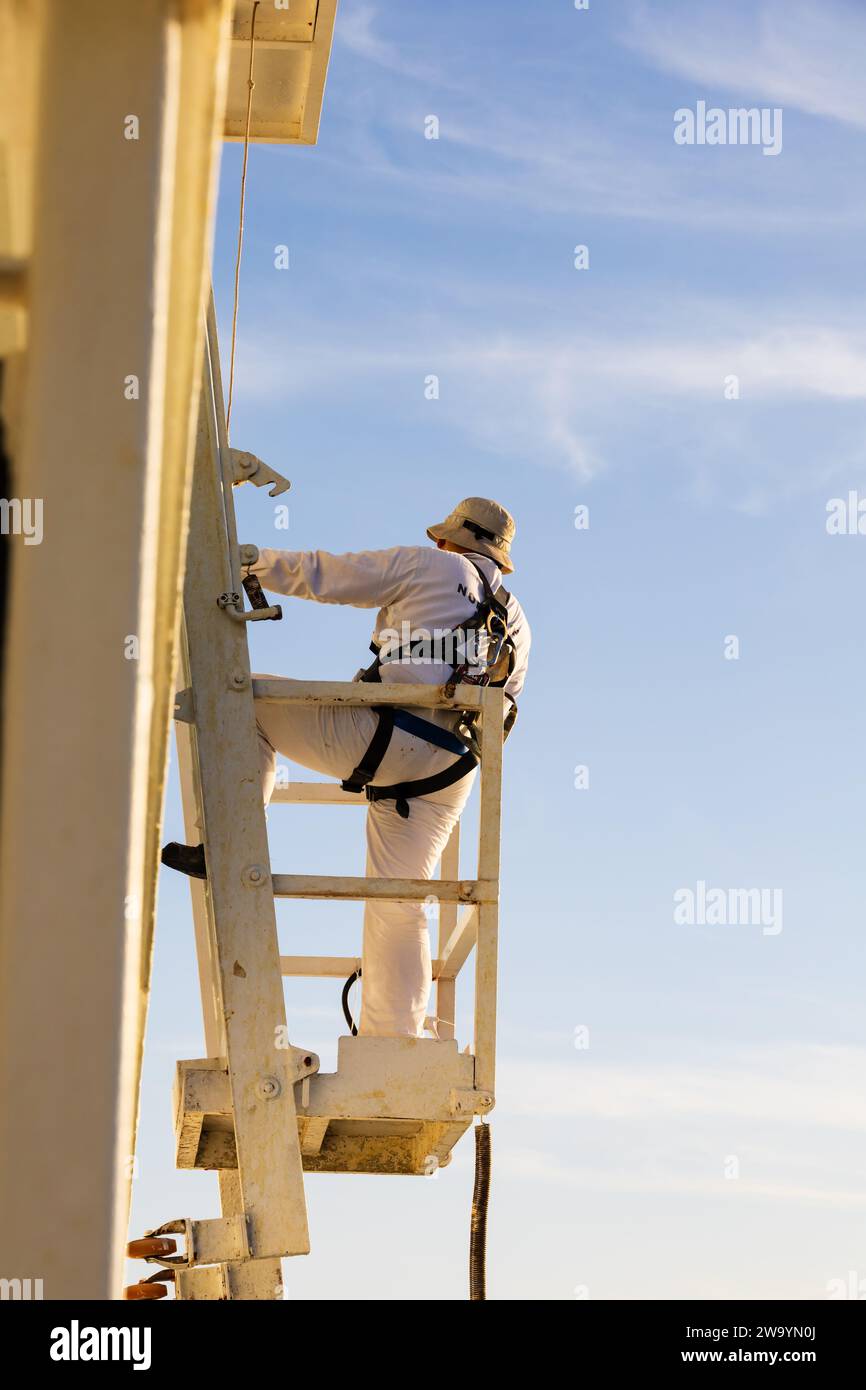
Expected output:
(480, 525)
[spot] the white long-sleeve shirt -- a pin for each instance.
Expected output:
(414, 588)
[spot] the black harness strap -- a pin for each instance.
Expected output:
(376, 750)
(422, 786)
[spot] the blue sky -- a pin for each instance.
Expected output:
(604, 388)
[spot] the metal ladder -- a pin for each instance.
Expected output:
(258, 1110)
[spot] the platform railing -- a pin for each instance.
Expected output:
(476, 926)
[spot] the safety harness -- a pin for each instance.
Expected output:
(490, 624)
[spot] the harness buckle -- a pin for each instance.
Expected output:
(358, 781)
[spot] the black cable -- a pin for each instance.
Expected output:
(478, 1230)
(481, 1191)
(347, 1013)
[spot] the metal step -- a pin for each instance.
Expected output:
(394, 1105)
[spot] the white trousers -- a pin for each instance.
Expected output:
(396, 979)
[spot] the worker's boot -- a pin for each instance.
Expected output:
(187, 859)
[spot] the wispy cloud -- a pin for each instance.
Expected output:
(620, 169)
(540, 1167)
(358, 30)
(783, 1123)
(800, 1086)
(512, 379)
(789, 361)
(618, 161)
(555, 399)
(796, 53)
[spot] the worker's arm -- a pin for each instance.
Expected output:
(522, 639)
(364, 579)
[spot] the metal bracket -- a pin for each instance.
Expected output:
(231, 604)
(208, 1242)
(184, 706)
(246, 468)
(301, 1064)
(471, 1102)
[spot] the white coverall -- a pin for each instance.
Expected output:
(429, 589)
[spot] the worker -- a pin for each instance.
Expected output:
(443, 615)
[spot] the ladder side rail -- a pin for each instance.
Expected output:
(487, 912)
(240, 901)
(208, 974)
(231, 1202)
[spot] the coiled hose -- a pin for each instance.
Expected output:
(478, 1230)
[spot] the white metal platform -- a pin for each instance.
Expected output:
(394, 1105)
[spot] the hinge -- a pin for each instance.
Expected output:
(464, 1102)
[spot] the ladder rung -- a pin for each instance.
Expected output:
(397, 889)
(328, 967)
(320, 967)
(277, 690)
(316, 793)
